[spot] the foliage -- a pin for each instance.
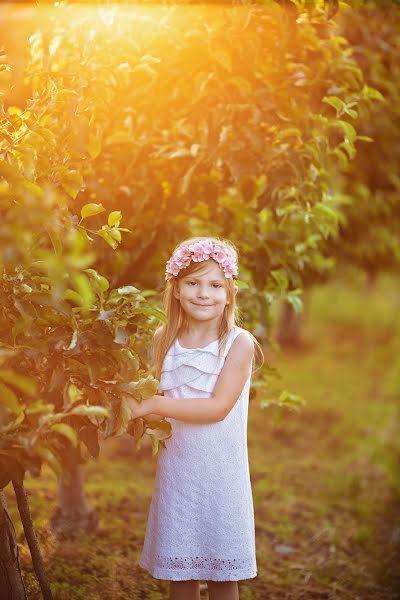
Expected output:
(241, 145)
(72, 349)
(369, 236)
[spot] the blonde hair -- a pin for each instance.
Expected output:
(176, 318)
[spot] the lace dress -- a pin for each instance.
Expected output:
(201, 517)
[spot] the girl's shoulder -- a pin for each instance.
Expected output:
(238, 330)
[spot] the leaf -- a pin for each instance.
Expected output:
(102, 282)
(296, 303)
(9, 399)
(280, 278)
(127, 290)
(88, 210)
(92, 410)
(74, 393)
(72, 295)
(348, 129)
(90, 437)
(370, 92)
(114, 218)
(334, 101)
(144, 388)
(39, 407)
(84, 288)
(155, 443)
(107, 237)
(123, 416)
(50, 458)
(22, 382)
(73, 341)
(72, 183)
(115, 234)
(136, 429)
(67, 431)
(155, 312)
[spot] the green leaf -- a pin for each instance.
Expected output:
(21, 382)
(280, 278)
(90, 437)
(296, 303)
(348, 129)
(9, 399)
(123, 416)
(39, 407)
(136, 429)
(127, 290)
(85, 410)
(155, 444)
(115, 234)
(88, 210)
(107, 238)
(72, 183)
(155, 312)
(144, 388)
(370, 92)
(72, 295)
(101, 281)
(74, 393)
(114, 218)
(67, 431)
(84, 288)
(50, 458)
(334, 101)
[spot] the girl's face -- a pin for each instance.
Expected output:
(203, 295)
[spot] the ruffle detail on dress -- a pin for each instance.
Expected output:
(199, 370)
(196, 367)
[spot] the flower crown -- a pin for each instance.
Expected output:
(197, 252)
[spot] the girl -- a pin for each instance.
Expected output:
(201, 517)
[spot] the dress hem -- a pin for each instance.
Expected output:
(199, 574)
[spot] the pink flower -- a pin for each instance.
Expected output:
(202, 250)
(197, 252)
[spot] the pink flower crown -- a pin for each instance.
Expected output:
(197, 252)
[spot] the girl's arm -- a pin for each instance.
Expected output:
(230, 382)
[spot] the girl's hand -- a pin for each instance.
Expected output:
(137, 408)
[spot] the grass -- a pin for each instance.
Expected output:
(326, 481)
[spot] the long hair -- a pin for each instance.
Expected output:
(176, 317)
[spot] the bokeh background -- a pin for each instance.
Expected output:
(128, 127)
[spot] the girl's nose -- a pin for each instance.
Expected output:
(203, 293)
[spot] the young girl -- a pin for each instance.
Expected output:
(201, 517)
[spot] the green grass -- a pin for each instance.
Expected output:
(326, 481)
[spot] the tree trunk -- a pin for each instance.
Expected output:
(11, 582)
(289, 326)
(73, 512)
(37, 561)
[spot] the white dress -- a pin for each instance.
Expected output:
(201, 517)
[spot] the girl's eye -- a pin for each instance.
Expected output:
(217, 285)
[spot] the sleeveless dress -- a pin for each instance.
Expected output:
(201, 517)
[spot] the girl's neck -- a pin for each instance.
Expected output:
(199, 333)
